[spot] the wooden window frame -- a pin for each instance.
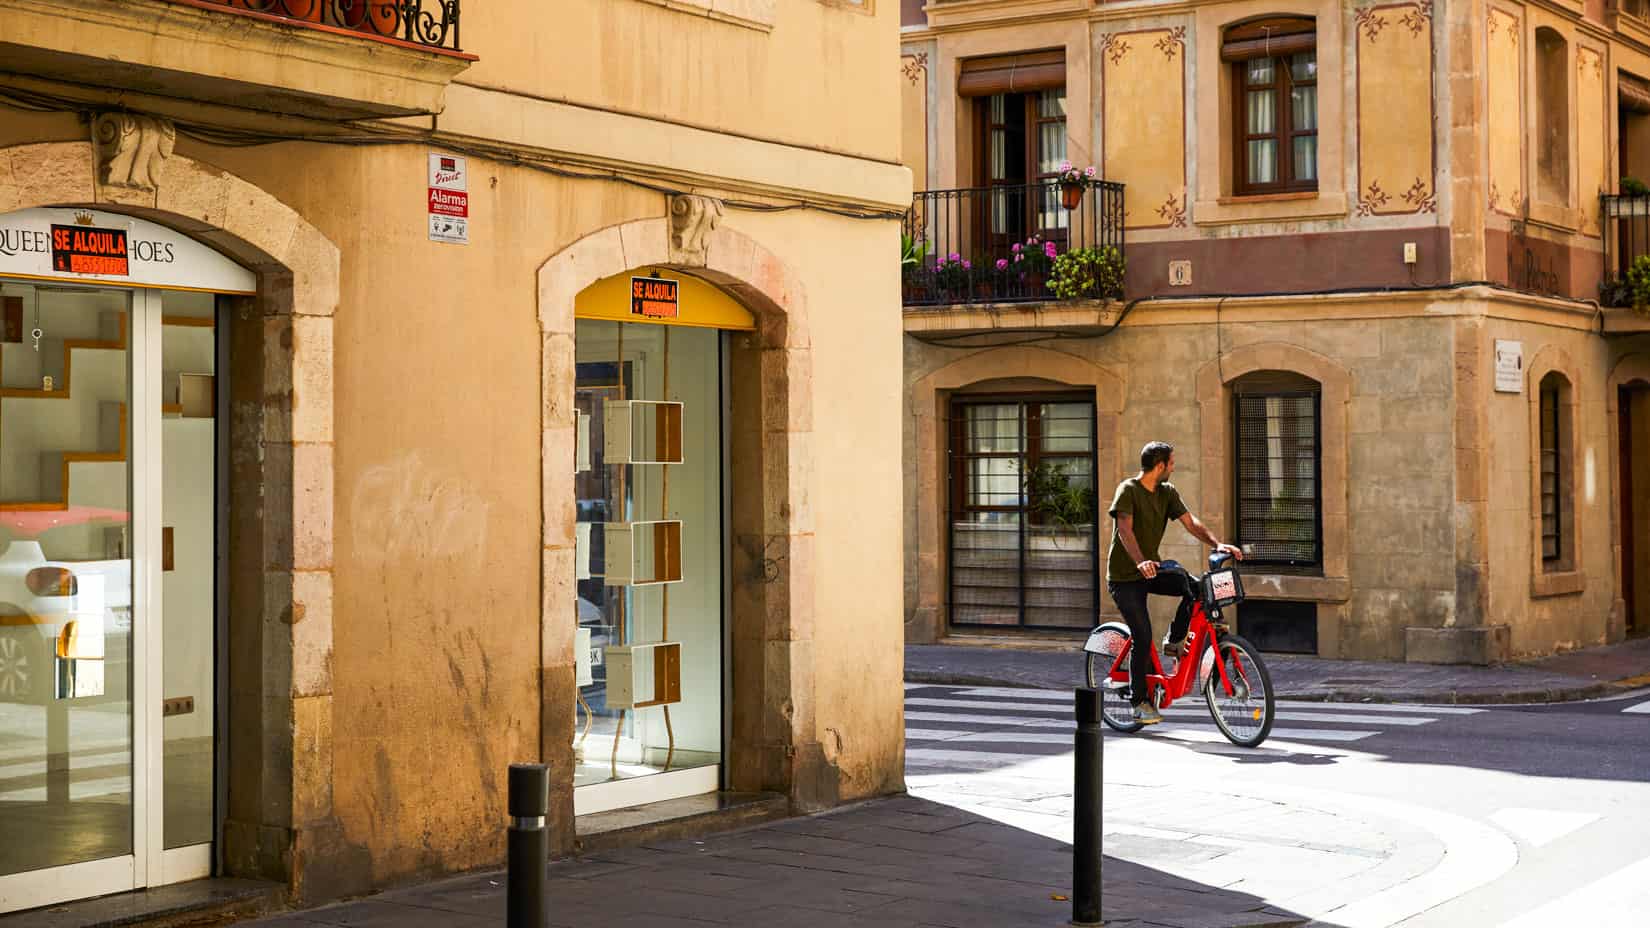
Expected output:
(1030, 455)
(1259, 391)
(1551, 448)
(1278, 39)
(1030, 122)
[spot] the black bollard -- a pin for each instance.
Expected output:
(529, 845)
(1085, 835)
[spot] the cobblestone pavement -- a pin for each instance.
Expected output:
(1576, 675)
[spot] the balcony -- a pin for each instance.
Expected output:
(333, 59)
(997, 244)
(1626, 220)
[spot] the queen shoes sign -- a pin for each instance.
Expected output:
(93, 246)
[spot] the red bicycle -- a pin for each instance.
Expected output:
(1227, 669)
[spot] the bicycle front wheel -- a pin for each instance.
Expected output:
(1115, 708)
(1244, 715)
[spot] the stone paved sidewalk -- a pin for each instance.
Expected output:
(894, 863)
(1576, 675)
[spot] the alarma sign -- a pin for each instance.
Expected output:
(448, 203)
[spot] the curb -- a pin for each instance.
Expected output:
(1444, 697)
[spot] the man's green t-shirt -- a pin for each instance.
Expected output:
(1152, 512)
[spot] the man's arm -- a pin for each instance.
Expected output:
(1201, 533)
(1125, 534)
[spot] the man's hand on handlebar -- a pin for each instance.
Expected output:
(1148, 569)
(1233, 550)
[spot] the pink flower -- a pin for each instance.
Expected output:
(1018, 258)
(1048, 249)
(1002, 264)
(1016, 248)
(1088, 171)
(1065, 166)
(955, 256)
(967, 266)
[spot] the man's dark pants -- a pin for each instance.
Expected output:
(1130, 596)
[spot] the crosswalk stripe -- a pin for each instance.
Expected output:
(1019, 693)
(941, 756)
(1642, 708)
(1028, 737)
(982, 704)
(1615, 899)
(1176, 714)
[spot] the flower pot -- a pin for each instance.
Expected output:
(1071, 195)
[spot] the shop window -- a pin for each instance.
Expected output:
(1552, 116)
(1557, 492)
(1279, 494)
(1022, 501)
(1274, 81)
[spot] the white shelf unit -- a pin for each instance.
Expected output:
(643, 553)
(641, 432)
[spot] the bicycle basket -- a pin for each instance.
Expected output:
(1221, 588)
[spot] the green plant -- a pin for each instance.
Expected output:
(954, 273)
(1638, 284)
(1087, 274)
(1053, 497)
(911, 251)
(1633, 187)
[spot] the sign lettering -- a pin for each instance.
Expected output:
(654, 297)
(85, 250)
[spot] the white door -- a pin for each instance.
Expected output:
(107, 477)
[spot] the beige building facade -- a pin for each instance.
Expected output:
(380, 409)
(1374, 296)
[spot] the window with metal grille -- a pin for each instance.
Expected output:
(1022, 501)
(1552, 464)
(1279, 496)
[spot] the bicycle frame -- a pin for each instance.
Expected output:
(1184, 680)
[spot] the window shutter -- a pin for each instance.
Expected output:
(1022, 73)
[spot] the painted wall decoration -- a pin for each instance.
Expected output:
(1395, 109)
(914, 116)
(1143, 101)
(1591, 117)
(1504, 74)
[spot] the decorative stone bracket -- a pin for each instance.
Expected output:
(692, 219)
(130, 148)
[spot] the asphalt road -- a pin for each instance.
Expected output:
(1350, 815)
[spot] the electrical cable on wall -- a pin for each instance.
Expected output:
(249, 138)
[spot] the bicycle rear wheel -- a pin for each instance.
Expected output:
(1244, 715)
(1115, 709)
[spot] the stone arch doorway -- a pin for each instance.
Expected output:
(772, 745)
(274, 784)
(1628, 401)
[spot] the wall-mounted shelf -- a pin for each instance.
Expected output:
(581, 550)
(643, 553)
(581, 445)
(583, 673)
(643, 675)
(642, 432)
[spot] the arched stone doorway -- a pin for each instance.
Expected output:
(275, 782)
(773, 745)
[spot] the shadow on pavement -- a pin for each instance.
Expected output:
(895, 863)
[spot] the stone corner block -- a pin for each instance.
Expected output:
(1489, 644)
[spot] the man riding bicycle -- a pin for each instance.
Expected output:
(1141, 510)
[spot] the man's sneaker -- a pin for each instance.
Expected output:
(1174, 648)
(1147, 714)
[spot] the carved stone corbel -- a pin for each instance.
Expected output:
(691, 220)
(130, 148)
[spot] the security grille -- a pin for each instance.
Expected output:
(1278, 491)
(1552, 542)
(1022, 505)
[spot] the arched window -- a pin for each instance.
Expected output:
(1552, 90)
(1556, 469)
(1274, 66)
(1279, 491)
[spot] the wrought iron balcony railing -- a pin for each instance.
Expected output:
(430, 23)
(997, 244)
(1626, 221)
